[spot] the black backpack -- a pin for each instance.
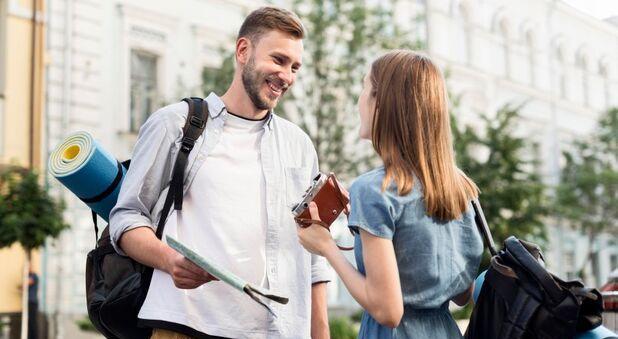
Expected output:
(521, 299)
(116, 285)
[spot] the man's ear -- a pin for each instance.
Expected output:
(243, 50)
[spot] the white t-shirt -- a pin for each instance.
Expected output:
(223, 219)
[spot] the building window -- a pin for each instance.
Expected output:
(582, 67)
(604, 73)
(465, 41)
(506, 49)
(595, 262)
(143, 87)
(569, 264)
(561, 72)
(613, 261)
(531, 57)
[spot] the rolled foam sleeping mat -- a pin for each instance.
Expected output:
(89, 171)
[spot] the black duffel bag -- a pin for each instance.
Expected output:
(116, 285)
(521, 299)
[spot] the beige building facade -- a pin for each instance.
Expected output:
(21, 112)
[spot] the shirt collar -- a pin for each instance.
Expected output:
(216, 107)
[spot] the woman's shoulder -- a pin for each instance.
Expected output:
(369, 185)
(371, 178)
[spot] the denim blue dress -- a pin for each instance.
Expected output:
(436, 260)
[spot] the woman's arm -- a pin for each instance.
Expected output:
(463, 298)
(379, 292)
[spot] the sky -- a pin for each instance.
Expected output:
(600, 9)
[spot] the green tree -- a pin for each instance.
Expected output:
(218, 79)
(342, 328)
(28, 215)
(587, 196)
(503, 166)
(342, 38)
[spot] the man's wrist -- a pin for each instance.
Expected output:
(169, 254)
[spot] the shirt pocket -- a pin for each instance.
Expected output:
(297, 180)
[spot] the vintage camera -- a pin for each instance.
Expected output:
(310, 194)
(327, 194)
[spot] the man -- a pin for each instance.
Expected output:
(243, 175)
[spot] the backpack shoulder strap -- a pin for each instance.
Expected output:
(481, 224)
(520, 312)
(194, 126)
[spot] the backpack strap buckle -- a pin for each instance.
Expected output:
(187, 144)
(197, 122)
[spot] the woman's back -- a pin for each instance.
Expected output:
(436, 260)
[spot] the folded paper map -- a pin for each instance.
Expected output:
(226, 276)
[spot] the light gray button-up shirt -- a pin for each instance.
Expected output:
(289, 163)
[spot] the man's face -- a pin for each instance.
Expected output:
(271, 68)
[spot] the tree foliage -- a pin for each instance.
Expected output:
(503, 165)
(587, 196)
(28, 214)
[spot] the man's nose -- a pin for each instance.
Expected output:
(287, 76)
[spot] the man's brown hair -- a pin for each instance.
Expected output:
(266, 19)
(412, 133)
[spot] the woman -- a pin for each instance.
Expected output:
(416, 242)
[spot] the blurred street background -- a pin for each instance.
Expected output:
(533, 88)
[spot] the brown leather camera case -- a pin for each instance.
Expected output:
(331, 202)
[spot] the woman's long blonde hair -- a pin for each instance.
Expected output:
(412, 133)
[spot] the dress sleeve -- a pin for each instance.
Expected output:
(371, 210)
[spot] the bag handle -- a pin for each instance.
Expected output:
(194, 126)
(519, 252)
(481, 224)
(530, 265)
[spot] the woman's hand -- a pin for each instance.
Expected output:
(315, 238)
(346, 194)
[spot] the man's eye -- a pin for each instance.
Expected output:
(278, 60)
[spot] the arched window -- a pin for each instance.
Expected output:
(560, 70)
(581, 63)
(506, 50)
(531, 56)
(465, 37)
(604, 73)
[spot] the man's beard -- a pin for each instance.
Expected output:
(252, 81)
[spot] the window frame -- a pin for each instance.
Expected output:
(133, 125)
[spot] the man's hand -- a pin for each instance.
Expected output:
(186, 275)
(142, 245)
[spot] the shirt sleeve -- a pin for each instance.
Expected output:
(320, 271)
(144, 180)
(371, 210)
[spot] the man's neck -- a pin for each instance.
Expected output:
(237, 101)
